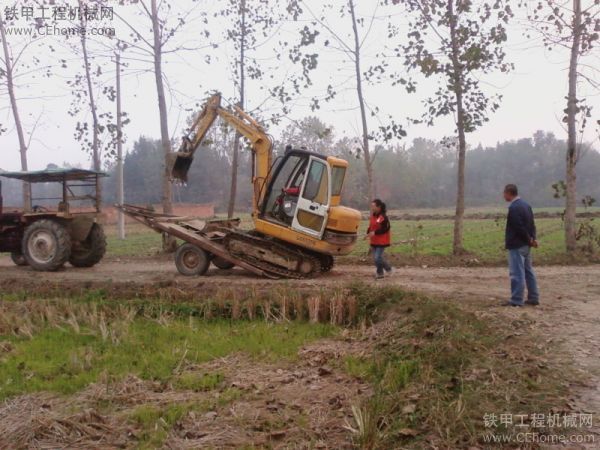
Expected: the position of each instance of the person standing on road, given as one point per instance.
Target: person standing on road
(379, 235)
(519, 240)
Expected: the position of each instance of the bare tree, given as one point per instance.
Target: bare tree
(162, 106)
(8, 73)
(458, 42)
(575, 29)
(251, 25)
(350, 45)
(93, 90)
(95, 144)
(152, 50)
(239, 34)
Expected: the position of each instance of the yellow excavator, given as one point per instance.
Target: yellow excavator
(299, 224)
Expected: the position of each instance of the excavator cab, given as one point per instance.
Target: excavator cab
(299, 192)
(301, 203)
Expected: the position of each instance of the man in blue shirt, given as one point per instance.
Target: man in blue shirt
(519, 240)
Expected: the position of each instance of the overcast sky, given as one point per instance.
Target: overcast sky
(533, 95)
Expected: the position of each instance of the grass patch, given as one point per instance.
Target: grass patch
(155, 422)
(198, 382)
(140, 241)
(440, 369)
(483, 239)
(62, 346)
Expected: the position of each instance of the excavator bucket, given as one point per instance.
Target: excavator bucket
(181, 160)
(180, 164)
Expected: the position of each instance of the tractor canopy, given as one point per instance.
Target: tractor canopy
(78, 185)
(55, 175)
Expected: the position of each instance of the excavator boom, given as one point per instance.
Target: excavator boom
(260, 141)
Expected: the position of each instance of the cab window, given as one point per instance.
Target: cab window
(317, 183)
(290, 168)
(337, 180)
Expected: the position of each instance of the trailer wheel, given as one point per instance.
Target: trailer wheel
(18, 258)
(89, 252)
(222, 264)
(46, 245)
(191, 260)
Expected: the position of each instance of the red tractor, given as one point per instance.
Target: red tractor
(45, 238)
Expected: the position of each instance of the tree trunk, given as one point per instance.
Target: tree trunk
(234, 173)
(18, 125)
(571, 197)
(95, 126)
(120, 191)
(457, 244)
(236, 143)
(169, 243)
(361, 102)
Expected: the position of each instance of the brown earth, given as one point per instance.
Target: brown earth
(568, 317)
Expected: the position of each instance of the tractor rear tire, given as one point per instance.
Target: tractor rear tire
(46, 245)
(18, 258)
(191, 260)
(89, 252)
(222, 264)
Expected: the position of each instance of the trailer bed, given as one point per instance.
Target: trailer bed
(208, 235)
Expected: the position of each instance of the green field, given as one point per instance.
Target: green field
(483, 239)
(63, 345)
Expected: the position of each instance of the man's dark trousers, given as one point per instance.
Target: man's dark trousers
(520, 232)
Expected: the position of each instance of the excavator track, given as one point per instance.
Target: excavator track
(279, 248)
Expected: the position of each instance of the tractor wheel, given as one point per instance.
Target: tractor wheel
(191, 260)
(18, 258)
(222, 264)
(46, 245)
(89, 252)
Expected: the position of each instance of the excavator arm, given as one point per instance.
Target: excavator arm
(261, 144)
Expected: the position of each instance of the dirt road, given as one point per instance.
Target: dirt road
(568, 316)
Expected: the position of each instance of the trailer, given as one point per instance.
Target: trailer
(205, 242)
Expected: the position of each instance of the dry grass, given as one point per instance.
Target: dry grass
(439, 368)
(40, 422)
(109, 320)
(26, 318)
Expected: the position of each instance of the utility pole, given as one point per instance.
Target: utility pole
(120, 191)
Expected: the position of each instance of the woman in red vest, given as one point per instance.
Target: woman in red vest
(379, 236)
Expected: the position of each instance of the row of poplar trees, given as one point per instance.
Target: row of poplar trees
(454, 43)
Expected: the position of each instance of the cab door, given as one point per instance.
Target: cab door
(313, 202)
